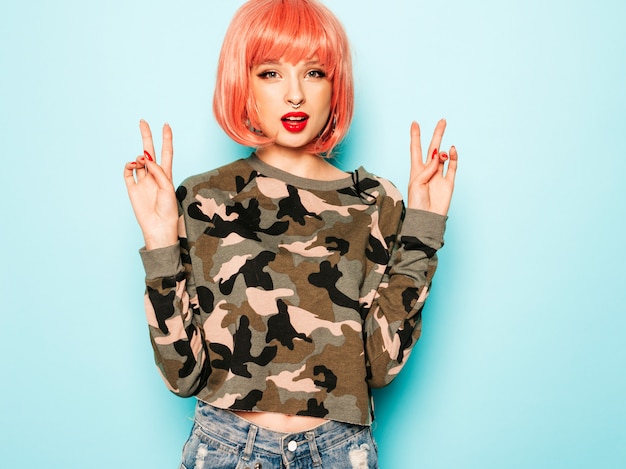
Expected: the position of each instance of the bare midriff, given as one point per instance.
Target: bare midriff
(281, 422)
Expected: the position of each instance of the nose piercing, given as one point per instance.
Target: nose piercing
(295, 102)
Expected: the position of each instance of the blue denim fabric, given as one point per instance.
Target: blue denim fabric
(222, 440)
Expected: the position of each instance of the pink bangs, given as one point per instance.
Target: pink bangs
(294, 30)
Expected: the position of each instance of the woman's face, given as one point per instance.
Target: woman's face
(293, 100)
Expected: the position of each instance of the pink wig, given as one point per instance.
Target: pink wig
(294, 30)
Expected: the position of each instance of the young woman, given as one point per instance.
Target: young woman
(281, 289)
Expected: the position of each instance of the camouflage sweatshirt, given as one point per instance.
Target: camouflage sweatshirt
(287, 294)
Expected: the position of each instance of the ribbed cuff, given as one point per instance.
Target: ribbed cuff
(161, 262)
(423, 225)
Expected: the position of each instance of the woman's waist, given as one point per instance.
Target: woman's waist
(284, 423)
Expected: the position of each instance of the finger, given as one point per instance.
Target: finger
(443, 157)
(451, 173)
(140, 167)
(129, 174)
(130, 166)
(417, 163)
(156, 172)
(167, 151)
(435, 143)
(146, 138)
(430, 169)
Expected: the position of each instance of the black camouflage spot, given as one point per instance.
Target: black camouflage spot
(314, 409)
(406, 339)
(279, 327)
(181, 193)
(330, 379)
(169, 282)
(237, 361)
(341, 245)
(204, 376)
(220, 349)
(205, 298)
(291, 206)
(253, 273)
(250, 219)
(327, 278)
(249, 401)
(183, 349)
(411, 243)
(194, 212)
(409, 297)
(163, 307)
(246, 224)
(185, 257)
(241, 183)
(377, 252)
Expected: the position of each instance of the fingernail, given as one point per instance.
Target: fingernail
(434, 153)
(148, 155)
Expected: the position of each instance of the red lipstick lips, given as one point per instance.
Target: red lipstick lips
(295, 121)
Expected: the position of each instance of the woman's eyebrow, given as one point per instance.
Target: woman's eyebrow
(313, 62)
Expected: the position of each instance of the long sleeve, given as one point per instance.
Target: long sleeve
(172, 310)
(393, 322)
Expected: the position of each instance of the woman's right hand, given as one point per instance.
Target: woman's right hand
(151, 191)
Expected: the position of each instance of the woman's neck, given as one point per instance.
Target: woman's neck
(299, 163)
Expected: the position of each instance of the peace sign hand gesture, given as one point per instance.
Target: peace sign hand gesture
(151, 191)
(429, 188)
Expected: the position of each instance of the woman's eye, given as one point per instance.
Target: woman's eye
(268, 74)
(316, 74)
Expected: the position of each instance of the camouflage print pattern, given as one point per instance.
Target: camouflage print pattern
(287, 294)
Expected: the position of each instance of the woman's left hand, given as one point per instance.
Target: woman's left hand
(429, 188)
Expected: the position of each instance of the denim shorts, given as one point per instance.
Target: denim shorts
(221, 439)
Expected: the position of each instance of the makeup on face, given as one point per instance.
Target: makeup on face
(295, 121)
(292, 100)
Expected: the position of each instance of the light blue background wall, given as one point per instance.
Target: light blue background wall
(522, 362)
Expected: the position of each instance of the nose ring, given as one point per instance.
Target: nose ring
(294, 105)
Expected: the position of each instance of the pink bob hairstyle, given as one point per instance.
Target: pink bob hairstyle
(294, 30)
